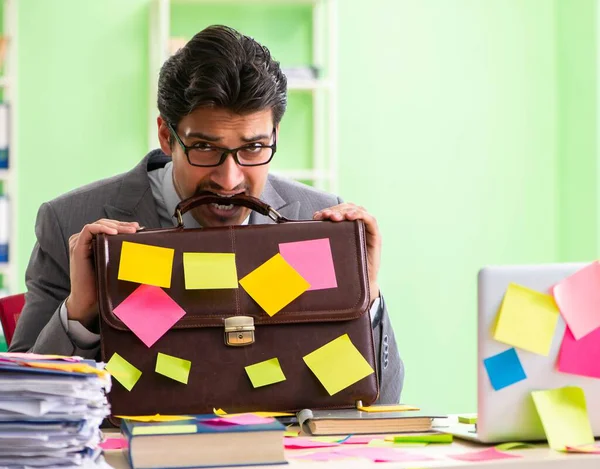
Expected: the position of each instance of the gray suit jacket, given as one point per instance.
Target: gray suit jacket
(128, 197)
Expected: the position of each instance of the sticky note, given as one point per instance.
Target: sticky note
(338, 364)
(149, 313)
(155, 418)
(381, 454)
(175, 368)
(578, 297)
(504, 369)
(467, 418)
(164, 429)
(319, 456)
(265, 373)
(489, 454)
(240, 419)
(564, 416)
(303, 443)
(274, 284)
(209, 270)
(123, 371)
(580, 357)
(114, 443)
(387, 408)
(527, 319)
(313, 260)
(513, 445)
(258, 413)
(583, 449)
(149, 265)
(424, 438)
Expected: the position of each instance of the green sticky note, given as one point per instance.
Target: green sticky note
(209, 270)
(173, 367)
(467, 418)
(163, 429)
(513, 445)
(123, 371)
(424, 438)
(265, 373)
(563, 413)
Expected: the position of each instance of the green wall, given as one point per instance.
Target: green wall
(578, 209)
(459, 129)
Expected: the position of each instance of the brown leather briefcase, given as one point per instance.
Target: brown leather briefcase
(225, 330)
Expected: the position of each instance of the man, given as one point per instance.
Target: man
(221, 99)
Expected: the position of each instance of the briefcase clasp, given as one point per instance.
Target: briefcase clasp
(239, 331)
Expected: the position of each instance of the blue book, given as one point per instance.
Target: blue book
(192, 443)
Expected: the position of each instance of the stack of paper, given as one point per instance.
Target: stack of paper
(51, 409)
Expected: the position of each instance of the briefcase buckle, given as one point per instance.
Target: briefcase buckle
(239, 331)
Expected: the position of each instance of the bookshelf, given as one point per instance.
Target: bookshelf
(312, 105)
(10, 282)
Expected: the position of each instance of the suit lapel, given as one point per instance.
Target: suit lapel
(271, 197)
(134, 201)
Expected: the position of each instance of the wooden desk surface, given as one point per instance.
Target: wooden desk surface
(540, 457)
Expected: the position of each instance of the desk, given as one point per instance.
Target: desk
(540, 457)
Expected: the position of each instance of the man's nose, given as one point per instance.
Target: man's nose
(228, 175)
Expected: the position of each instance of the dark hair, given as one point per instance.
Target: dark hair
(219, 67)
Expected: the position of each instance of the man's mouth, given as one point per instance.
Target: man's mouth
(227, 207)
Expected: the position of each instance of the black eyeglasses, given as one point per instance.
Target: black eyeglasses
(206, 155)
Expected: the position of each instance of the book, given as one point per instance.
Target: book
(353, 421)
(205, 441)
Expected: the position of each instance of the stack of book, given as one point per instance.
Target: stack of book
(51, 409)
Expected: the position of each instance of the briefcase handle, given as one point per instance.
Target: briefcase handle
(244, 200)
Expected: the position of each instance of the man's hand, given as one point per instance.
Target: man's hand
(353, 212)
(82, 303)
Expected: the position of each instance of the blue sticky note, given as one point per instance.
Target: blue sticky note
(504, 369)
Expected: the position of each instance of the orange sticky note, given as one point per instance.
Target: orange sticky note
(274, 284)
(338, 364)
(149, 265)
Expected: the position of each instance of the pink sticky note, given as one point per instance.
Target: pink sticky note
(149, 312)
(580, 357)
(485, 455)
(303, 443)
(382, 454)
(578, 297)
(242, 419)
(360, 440)
(114, 443)
(313, 261)
(321, 456)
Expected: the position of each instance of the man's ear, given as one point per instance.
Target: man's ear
(164, 136)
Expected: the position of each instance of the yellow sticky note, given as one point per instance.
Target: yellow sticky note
(219, 412)
(123, 371)
(173, 367)
(209, 270)
(222, 413)
(563, 413)
(274, 284)
(163, 429)
(72, 367)
(290, 434)
(387, 408)
(526, 319)
(265, 373)
(155, 418)
(338, 364)
(149, 265)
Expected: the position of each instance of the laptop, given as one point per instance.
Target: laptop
(509, 414)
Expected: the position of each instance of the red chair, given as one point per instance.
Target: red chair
(10, 310)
